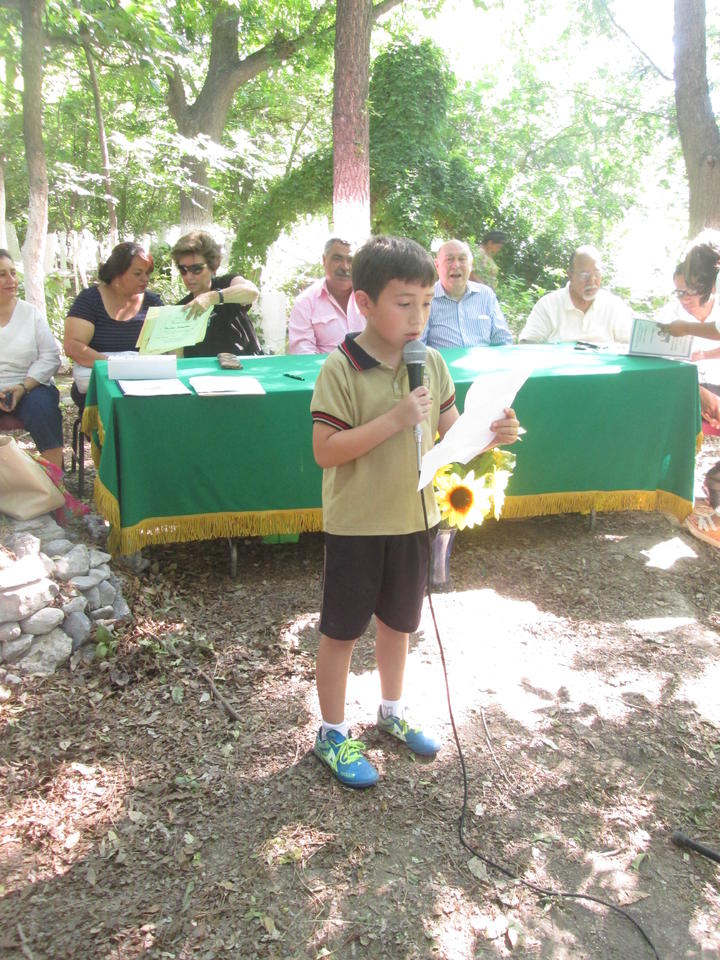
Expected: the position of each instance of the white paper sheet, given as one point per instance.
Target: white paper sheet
(490, 394)
(225, 386)
(152, 388)
(142, 368)
(648, 339)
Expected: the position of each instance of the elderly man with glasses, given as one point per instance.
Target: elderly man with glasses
(581, 310)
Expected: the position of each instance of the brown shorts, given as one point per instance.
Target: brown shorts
(385, 576)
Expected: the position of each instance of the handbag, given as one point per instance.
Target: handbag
(26, 491)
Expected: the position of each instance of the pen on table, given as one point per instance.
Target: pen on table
(293, 376)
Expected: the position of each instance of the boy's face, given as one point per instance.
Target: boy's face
(400, 312)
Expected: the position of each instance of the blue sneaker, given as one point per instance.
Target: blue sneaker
(415, 739)
(345, 758)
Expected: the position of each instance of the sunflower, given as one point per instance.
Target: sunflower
(463, 501)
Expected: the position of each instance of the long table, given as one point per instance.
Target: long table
(604, 432)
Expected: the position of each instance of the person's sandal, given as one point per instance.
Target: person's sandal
(704, 523)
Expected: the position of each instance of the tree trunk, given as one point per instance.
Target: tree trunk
(351, 127)
(33, 40)
(699, 135)
(102, 139)
(3, 231)
(225, 74)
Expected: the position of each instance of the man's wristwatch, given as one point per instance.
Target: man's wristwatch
(221, 296)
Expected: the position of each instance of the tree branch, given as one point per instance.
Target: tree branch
(642, 53)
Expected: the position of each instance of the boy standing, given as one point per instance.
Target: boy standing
(376, 549)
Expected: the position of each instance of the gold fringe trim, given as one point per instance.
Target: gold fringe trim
(92, 424)
(699, 441)
(543, 504)
(201, 526)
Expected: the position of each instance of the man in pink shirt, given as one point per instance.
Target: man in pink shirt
(324, 313)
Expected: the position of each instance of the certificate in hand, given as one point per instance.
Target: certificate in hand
(649, 339)
(170, 328)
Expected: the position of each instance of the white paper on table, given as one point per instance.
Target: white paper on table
(137, 367)
(226, 386)
(490, 394)
(152, 388)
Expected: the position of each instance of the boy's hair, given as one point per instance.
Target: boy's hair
(495, 236)
(383, 259)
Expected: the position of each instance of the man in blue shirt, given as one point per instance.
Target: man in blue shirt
(463, 313)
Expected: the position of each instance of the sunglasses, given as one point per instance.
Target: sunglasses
(194, 268)
(685, 294)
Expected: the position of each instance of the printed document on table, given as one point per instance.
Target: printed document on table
(490, 394)
(153, 388)
(226, 386)
(648, 339)
(170, 328)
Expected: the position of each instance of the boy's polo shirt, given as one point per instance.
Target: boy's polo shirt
(376, 494)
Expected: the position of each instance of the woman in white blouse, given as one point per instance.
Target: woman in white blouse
(29, 356)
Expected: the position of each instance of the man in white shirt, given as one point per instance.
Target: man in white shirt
(326, 311)
(581, 310)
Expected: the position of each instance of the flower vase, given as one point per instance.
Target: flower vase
(441, 552)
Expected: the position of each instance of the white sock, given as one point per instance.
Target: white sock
(391, 708)
(342, 728)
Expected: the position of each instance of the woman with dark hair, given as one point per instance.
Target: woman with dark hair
(699, 316)
(29, 356)
(107, 318)
(229, 328)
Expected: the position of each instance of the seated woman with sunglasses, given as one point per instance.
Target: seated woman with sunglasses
(229, 329)
(107, 318)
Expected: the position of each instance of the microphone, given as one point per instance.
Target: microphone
(414, 354)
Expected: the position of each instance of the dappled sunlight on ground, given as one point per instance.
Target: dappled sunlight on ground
(664, 555)
(703, 691)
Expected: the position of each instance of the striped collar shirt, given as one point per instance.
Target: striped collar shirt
(473, 321)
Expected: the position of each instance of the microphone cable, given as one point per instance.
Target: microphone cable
(546, 892)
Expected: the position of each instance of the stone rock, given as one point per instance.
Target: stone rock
(6, 560)
(46, 654)
(121, 611)
(43, 527)
(93, 598)
(23, 601)
(91, 579)
(98, 556)
(103, 613)
(58, 548)
(76, 563)
(23, 544)
(106, 593)
(14, 650)
(103, 569)
(9, 631)
(27, 570)
(11, 680)
(76, 605)
(98, 528)
(35, 524)
(43, 621)
(136, 561)
(77, 626)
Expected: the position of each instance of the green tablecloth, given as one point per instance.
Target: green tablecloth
(604, 432)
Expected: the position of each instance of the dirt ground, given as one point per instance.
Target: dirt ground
(140, 819)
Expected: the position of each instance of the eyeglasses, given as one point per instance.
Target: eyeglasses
(686, 294)
(587, 275)
(194, 268)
